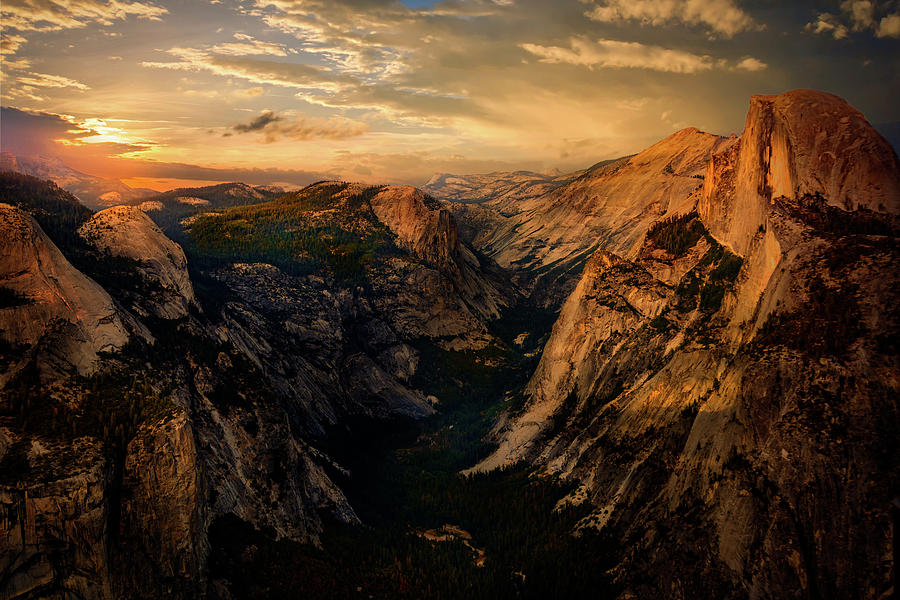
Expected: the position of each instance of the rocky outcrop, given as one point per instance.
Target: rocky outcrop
(612, 206)
(730, 419)
(503, 192)
(429, 231)
(54, 519)
(802, 143)
(51, 307)
(609, 206)
(421, 224)
(164, 514)
(613, 300)
(299, 332)
(127, 232)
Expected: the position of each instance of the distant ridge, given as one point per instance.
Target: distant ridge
(94, 192)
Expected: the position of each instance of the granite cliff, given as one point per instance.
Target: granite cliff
(548, 238)
(725, 392)
(186, 385)
(50, 308)
(187, 406)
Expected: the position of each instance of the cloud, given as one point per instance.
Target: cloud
(828, 23)
(293, 75)
(723, 17)
(81, 144)
(276, 128)
(52, 15)
(751, 64)
(202, 93)
(247, 46)
(177, 170)
(633, 55)
(615, 54)
(889, 26)
(249, 92)
(34, 132)
(50, 81)
(16, 64)
(861, 13)
(858, 16)
(257, 124)
(378, 40)
(322, 85)
(10, 44)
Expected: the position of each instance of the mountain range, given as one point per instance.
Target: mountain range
(94, 192)
(674, 374)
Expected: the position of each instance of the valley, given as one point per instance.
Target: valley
(673, 374)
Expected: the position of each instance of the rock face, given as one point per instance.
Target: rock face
(502, 192)
(125, 231)
(54, 522)
(730, 416)
(609, 206)
(430, 232)
(421, 225)
(53, 308)
(164, 508)
(801, 143)
(721, 383)
(235, 410)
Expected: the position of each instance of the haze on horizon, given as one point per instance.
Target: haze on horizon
(160, 93)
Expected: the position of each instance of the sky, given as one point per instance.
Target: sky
(293, 91)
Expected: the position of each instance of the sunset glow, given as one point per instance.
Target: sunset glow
(384, 90)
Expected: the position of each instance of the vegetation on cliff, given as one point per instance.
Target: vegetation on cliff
(322, 226)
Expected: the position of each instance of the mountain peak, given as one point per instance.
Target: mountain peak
(797, 144)
(126, 231)
(94, 192)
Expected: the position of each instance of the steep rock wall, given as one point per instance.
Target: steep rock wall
(796, 144)
(731, 419)
(126, 231)
(57, 308)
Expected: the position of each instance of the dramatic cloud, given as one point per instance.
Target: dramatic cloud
(859, 16)
(276, 127)
(10, 43)
(85, 145)
(50, 15)
(723, 17)
(41, 133)
(340, 83)
(610, 53)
